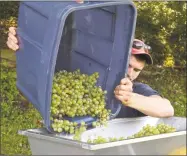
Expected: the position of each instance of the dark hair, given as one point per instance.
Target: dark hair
(140, 57)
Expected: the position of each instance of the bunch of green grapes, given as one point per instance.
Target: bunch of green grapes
(147, 130)
(75, 94)
(79, 131)
(69, 127)
(163, 128)
(100, 140)
(153, 130)
(64, 126)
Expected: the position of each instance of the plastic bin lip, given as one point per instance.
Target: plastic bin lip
(89, 5)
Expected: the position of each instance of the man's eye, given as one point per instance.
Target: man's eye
(137, 70)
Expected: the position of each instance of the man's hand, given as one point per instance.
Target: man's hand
(154, 106)
(12, 41)
(79, 1)
(124, 91)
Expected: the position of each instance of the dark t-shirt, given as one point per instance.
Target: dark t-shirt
(139, 88)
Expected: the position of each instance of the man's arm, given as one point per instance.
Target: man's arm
(153, 105)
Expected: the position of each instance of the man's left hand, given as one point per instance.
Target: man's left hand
(124, 91)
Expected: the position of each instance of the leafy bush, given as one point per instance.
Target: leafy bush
(170, 83)
(9, 92)
(162, 24)
(8, 17)
(16, 114)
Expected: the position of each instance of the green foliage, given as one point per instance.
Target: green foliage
(169, 61)
(9, 92)
(12, 142)
(8, 17)
(170, 83)
(8, 54)
(16, 114)
(163, 25)
(8, 8)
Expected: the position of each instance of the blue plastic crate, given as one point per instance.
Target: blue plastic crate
(92, 37)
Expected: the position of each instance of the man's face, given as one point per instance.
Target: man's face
(135, 67)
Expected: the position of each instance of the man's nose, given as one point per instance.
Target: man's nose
(130, 73)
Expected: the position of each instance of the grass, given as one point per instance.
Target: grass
(16, 114)
(8, 54)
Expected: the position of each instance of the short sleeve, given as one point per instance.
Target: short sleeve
(144, 89)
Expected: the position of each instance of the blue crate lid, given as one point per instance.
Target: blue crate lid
(92, 37)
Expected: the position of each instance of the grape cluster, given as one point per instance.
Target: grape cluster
(153, 130)
(147, 130)
(75, 94)
(163, 128)
(100, 140)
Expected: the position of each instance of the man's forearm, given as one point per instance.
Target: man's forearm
(153, 106)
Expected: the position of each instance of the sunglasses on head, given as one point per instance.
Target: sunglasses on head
(140, 45)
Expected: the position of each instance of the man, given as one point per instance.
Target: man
(138, 99)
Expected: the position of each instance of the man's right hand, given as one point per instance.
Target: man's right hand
(12, 41)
